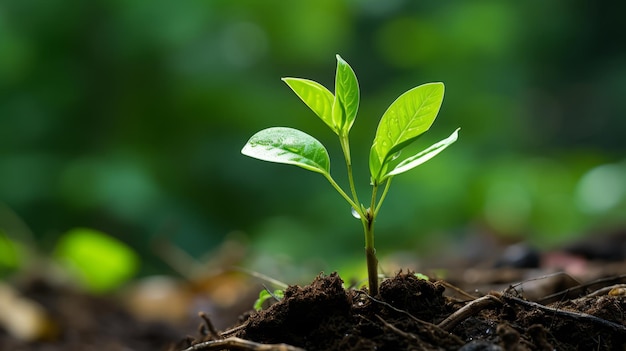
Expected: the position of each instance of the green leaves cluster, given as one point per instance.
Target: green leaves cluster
(407, 118)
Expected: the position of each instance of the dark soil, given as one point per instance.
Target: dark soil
(75, 321)
(416, 314)
(539, 311)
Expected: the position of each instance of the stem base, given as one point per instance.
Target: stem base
(372, 270)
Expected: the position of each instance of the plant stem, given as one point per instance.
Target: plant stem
(368, 227)
(382, 197)
(345, 146)
(370, 253)
(367, 218)
(343, 193)
(370, 250)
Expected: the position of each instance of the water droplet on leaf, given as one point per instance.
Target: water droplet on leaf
(355, 214)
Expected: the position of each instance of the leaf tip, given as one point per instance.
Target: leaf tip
(245, 150)
(456, 134)
(340, 60)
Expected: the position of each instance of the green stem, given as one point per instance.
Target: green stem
(382, 197)
(370, 250)
(345, 146)
(367, 218)
(343, 193)
(368, 226)
(370, 254)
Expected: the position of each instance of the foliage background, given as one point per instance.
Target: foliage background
(128, 117)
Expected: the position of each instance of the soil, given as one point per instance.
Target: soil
(69, 320)
(495, 307)
(415, 314)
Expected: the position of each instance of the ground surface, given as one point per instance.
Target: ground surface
(414, 314)
(567, 300)
(43, 317)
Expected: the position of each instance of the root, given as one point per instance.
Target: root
(468, 310)
(581, 289)
(219, 342)
(492, 300)
(234, 343)
(577, 316)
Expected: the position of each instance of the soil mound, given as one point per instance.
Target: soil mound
(416, 314)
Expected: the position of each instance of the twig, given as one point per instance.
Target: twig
(577, 316)
(542, 277)
(262, 276)
(271, 293)
(234, 343)
(209, 326)
(457, 290)
(235, 329)
(580, 289)
(607, 290)
(468, 310)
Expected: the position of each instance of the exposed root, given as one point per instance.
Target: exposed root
(582, 289)
(234, 343)
(218, 341)
(457, 290)
(577, 316)
(468, 310)
(235, 329)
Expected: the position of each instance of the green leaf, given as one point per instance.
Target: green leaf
(101, 262)
(407, 118)
(346, 101)
(423, 156)
(10, 257)
(288, 146)
(265, 295)
(316, 96)
(421, 276)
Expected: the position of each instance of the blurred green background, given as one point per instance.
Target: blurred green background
(128, 117)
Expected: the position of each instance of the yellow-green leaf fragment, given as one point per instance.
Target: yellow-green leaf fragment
(100, 262)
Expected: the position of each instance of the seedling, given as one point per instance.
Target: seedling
(408, 117)
(265, 295)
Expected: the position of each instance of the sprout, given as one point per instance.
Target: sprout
(407, 118)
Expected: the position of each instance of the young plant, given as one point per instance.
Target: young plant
(265, 295)
(405, 120)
